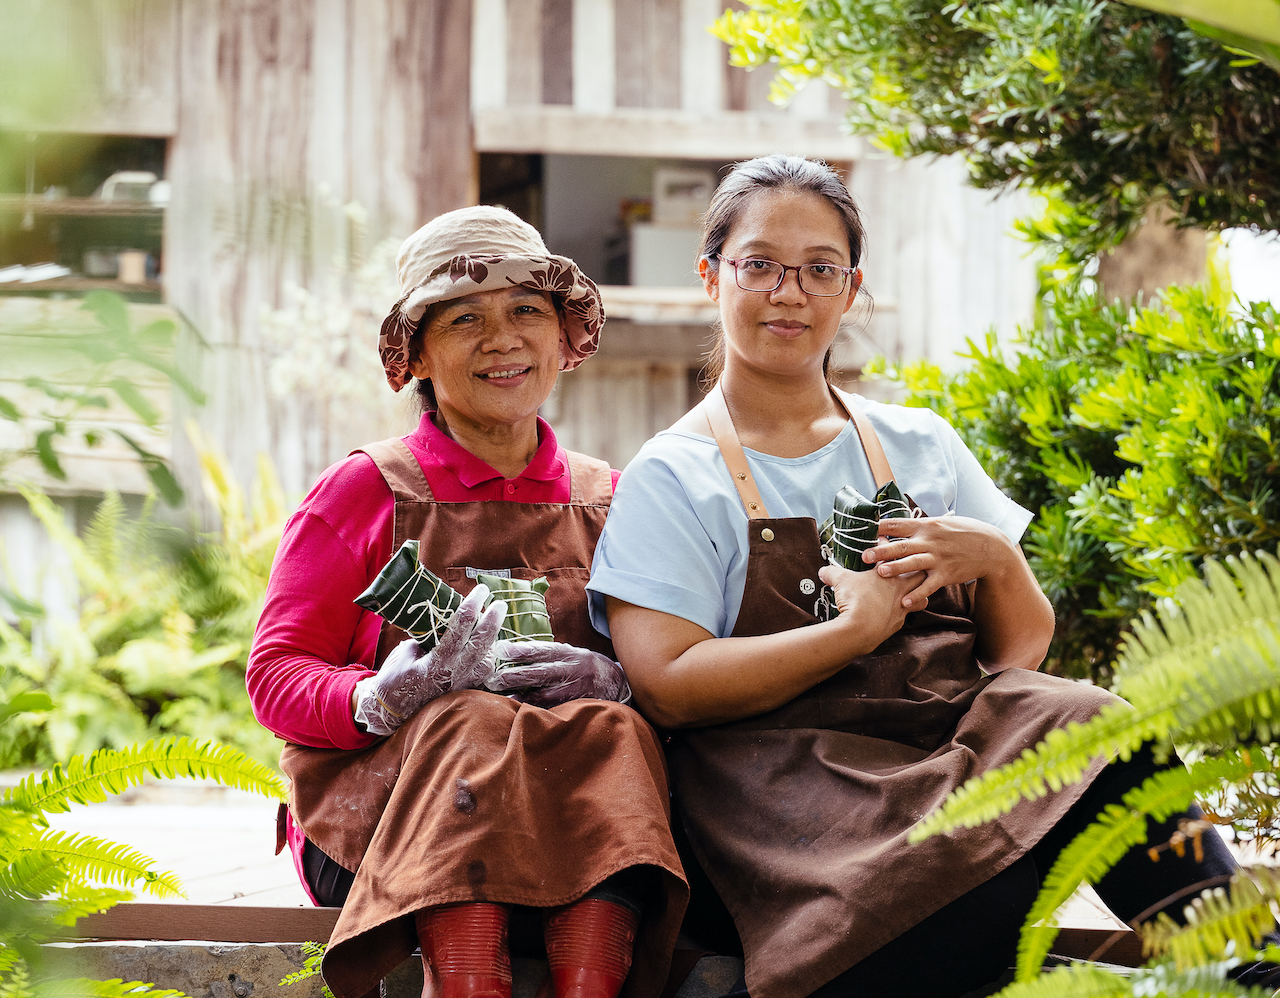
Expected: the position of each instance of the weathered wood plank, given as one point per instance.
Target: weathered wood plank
(644, 132)
(489, 53)
(98, 66)
(647, 53)
(221, 923)
(524, 52)
(594, 62)
(702, 58)
(557, 51)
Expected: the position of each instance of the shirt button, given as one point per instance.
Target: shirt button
(511, 489)
(767, 534)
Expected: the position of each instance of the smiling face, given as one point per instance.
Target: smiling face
(784, 332)
(492, 357)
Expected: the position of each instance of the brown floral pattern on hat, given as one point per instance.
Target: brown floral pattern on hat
(470, 273)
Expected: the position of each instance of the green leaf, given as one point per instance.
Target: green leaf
(21, 606)
(135, 400)
(48, 457)
(84, 987)
(110, 309)
(8, 410)
(32, 701)
(157, 471)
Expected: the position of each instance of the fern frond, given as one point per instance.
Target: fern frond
(1218, 645)
(1061, 759)
(85, 987)
(1219, 923)
(86, 856)
(1095, 850)
(89, 780)
(31, 875)
(1206, 981)
(314, 952)
(102, 535)
(1076, 981)
(1211, 673)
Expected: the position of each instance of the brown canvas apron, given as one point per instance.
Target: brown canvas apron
(799, 816)
(477, 797)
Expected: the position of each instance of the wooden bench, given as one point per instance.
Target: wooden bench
(234, 951)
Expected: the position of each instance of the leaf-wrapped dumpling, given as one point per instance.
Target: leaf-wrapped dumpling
(407, 594)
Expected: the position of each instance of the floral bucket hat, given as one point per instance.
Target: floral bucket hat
(482, 249)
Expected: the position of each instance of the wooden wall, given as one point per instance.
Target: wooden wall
(105, 66)
(290, 111)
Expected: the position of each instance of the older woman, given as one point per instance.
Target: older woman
(426, 806)
(805, 745)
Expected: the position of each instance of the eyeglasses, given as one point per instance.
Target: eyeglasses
(824, 280)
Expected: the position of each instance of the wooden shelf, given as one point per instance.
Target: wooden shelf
(20, 204)
(78, 284)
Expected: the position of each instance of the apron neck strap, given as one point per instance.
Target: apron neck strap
(726, 436)
(880, 470)
(722, 428)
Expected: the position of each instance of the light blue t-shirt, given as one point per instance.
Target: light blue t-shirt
(676, 536)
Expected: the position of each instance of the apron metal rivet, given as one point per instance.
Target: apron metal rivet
(753, 505)
(767, 534)
(807, 587)
(742, 476)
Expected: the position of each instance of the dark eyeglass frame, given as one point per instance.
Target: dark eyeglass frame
(845, 272)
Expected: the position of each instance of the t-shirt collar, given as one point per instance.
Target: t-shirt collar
(547, 464)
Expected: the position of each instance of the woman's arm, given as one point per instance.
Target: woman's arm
(1014, 618)
(682, 676)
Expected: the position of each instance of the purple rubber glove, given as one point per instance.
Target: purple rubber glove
(546, 673)
(410, 677)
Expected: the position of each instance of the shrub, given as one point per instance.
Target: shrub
(163, 634)
(1145, 438)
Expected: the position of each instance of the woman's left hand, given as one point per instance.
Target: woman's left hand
(547, 673)
(946, 549)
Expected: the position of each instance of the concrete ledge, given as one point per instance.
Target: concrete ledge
(254, 970)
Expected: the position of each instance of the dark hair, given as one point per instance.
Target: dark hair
(424, 391)
(774, 172)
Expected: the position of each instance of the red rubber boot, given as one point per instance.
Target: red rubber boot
(589, 947)
(465, 949)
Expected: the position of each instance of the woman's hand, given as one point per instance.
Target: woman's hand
(937, 551)
(1015, 620)
(410, 677)
(875, 605)
(547, 673)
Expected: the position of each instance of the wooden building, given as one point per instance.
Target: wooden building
(298, 136)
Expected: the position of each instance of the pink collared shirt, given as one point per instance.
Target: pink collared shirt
(312, 644)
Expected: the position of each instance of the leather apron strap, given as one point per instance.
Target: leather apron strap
(722, 428)
(400, 468)
(726, 437)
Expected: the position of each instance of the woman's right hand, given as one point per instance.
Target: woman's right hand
(869, 603)
(410, 677)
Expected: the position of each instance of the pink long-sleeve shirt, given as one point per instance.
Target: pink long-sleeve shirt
(312, 644)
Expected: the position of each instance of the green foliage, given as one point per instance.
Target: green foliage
(163, 634)
(1249, 28)
(1113, 106)
(1201, 671)
(314, 953)
(1146, 438)
(49, 878)
(87, 369)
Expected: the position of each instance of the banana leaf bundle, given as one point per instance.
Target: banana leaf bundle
(527, 618)
(854, 523)
(420, 603)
